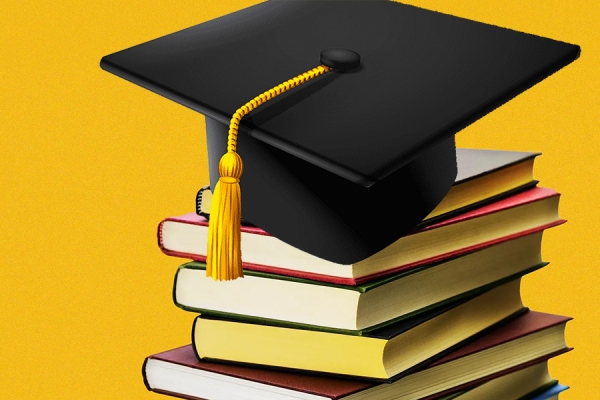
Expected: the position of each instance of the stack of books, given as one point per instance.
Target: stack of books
(436, 315)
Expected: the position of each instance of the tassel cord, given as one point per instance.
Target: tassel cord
(223, 260)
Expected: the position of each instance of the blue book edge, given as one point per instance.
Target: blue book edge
(554, 390)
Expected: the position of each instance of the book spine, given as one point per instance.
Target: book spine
(173, 394)
(144, 377)
(199, 202)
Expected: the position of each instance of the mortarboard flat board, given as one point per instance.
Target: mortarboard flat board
(382, 132)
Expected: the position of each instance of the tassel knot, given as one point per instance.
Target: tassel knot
(231, 165)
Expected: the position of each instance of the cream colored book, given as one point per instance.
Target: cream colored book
(530, 211)
(354, 308)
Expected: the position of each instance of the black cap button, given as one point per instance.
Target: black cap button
(340, 59)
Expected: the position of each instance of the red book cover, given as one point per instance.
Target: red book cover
(338, 388)
(526, 197)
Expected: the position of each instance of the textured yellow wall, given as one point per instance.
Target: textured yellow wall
(90, 164)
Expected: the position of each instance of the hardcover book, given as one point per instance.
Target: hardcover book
(530, 211)
(522, 384)
(354, 308)
(529, 340)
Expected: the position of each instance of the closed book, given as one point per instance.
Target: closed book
(523, 384)
(384, 354)
(354, 308)
(528, 340)
(530, 211)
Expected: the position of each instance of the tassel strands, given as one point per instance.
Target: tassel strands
(224, 256)
(225, 222)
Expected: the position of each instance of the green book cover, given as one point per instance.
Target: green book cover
(361, 288)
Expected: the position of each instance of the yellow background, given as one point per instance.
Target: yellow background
(90, 163)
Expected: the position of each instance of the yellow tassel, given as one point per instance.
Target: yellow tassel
(224, 256)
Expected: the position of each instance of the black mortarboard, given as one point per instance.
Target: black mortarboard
(381, 134)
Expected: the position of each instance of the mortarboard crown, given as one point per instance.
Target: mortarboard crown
(379, 126)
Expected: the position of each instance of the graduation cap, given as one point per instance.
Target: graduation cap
(380, 90)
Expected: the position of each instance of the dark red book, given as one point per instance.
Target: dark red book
(530, 339)
(530, 211)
